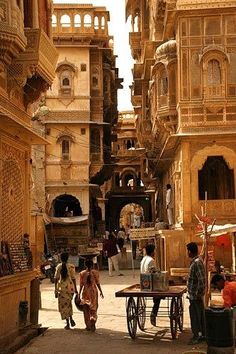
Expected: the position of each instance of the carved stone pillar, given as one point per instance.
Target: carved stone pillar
(186, 183)
(35, 14)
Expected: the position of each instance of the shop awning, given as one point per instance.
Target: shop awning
(219, 230)
(65, 221)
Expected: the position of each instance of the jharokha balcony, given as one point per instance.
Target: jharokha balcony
(135, 44)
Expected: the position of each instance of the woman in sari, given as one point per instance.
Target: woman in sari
(65, 287)
(89, 286)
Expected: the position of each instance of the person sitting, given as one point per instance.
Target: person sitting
(229, 289)
(147, 266)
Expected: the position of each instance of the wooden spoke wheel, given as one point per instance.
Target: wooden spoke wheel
(180, 313)
(131, 314)
(173, 317)
(141, 312)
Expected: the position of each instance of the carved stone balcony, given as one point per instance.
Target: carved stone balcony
(135, 44)
(40, 56)
(79, 21)
(12, 38)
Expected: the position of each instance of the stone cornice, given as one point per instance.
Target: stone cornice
(204, 4)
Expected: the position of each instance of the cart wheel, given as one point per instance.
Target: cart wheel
(173, 317)
(141, 311)
(131, 314)
(180, 313)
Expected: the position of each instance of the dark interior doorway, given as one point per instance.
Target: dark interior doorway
(217, 179)
(66, 206)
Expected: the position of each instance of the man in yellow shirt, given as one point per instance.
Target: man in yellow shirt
(229, 289)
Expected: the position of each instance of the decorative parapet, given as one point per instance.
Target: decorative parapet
(204, 4)
(80, 19)
(12, 38)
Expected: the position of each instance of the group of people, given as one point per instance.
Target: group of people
(196, 285)
(86, 297)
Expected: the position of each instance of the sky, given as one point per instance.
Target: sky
(120, 30)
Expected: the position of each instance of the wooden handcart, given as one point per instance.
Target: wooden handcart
(136, 307)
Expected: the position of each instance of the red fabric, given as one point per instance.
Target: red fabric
(223, 241)
(229, 294)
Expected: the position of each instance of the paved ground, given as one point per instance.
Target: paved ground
(111, 335)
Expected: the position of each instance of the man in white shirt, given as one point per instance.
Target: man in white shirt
(147, 266)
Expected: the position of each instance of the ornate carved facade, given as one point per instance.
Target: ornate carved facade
(82, 112)
(184, 95)
(27, 65)
(129, 183)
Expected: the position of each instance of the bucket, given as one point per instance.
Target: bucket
(219, 327)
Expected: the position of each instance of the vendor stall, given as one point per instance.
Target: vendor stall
(137, 308)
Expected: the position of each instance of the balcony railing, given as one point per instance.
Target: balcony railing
(79, 19)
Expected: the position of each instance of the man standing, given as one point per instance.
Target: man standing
(196, 291)
(229, 289)
(110, 249)
(148, 265)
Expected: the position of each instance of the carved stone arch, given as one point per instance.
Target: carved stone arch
(65, 135)
(200, 158)
(65, 64)
(213, 51)
(214, 70)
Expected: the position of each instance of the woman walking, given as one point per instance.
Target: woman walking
(65, 287)
(89, 286)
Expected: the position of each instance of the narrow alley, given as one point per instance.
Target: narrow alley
(111, 335)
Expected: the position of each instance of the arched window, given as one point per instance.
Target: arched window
(65, 149)
(136, 23)
(66, 82)
(213, 72)
(217, 179)
(103, 23)
(87, 21)
(95, 78)
(65, 21)
(129, 144)
(96, 23)
(54, 21)
(77, 20)
(163, 83)
(95, 141)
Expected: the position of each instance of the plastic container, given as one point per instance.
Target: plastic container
(219, 327)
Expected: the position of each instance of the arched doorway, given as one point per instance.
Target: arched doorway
(66, 205)
(217, 179)
(131, 216)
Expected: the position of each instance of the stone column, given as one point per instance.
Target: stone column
(35, 14)
(186, 183)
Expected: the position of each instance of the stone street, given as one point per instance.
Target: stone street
(111, 335)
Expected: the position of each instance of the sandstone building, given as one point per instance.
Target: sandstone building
(126, 186)
(27, 66)
(184, 95)
(82, 110)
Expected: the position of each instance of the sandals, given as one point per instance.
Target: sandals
(72, 323)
